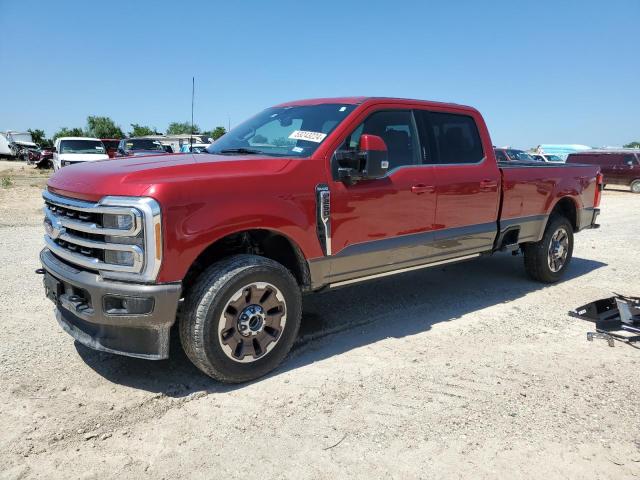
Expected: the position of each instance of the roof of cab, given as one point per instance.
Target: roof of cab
(78, 138)
(600, 151)
(361, 100)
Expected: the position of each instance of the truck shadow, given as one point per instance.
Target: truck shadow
(396, 306)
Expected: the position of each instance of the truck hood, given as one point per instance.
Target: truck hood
(133, 176)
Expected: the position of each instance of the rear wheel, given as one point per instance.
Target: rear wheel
(547, 259)
(241, 318)
(635, 186)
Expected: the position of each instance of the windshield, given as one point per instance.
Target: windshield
(295, 131)
(81, 146)
(143, 144)
(521, 156)
(553, 158)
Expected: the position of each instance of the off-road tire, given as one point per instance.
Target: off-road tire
(635, 186)
(536, 254)
(203, 305)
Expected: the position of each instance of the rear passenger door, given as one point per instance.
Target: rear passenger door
(467, 182)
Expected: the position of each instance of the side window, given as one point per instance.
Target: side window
(396, 129)
(629, 160)
(455, 138)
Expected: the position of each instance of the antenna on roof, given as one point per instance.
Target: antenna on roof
(193, 92)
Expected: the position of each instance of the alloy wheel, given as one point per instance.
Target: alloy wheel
(558, 250)
(252, 322)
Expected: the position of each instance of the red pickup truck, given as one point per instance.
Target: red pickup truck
(304, 196)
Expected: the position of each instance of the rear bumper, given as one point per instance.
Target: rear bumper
(587, 218)
(81, 310)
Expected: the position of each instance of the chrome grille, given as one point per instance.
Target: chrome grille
(75, 232)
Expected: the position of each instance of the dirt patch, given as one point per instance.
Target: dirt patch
(20, 187)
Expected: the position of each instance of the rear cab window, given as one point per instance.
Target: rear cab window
(452, 138)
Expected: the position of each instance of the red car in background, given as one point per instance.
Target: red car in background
(619, 167)
(111, 146)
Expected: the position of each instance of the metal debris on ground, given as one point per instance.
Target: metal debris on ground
(615, 318)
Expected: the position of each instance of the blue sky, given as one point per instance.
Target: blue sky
(539, 71)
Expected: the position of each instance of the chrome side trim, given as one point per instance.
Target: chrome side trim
(323, 212)
(402, 270)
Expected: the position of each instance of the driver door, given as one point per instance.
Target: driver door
(383, 224)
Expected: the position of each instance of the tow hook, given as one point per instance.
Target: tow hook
(40, 271)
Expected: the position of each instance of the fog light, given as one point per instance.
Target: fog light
(121, 222)
(118, 257)
(114, 305)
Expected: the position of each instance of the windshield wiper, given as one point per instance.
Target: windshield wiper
(247, 151)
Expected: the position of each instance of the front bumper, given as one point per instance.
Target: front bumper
(81, 310)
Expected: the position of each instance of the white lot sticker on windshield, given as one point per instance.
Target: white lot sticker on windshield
(297, 149)
(308, 136)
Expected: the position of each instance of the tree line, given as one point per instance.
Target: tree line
(105, 127)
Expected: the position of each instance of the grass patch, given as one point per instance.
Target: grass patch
(6, 182)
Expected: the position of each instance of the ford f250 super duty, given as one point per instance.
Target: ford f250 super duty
(304, 196)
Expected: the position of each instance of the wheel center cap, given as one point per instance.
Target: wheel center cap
(251, 320)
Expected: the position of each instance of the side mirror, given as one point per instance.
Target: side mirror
(371, 161)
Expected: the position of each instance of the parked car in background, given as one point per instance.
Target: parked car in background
(561, 150)
(137, 147)
(41, 158)
(513, 155)
(619, 167)
(72, 150)
(176, 141)
(194, 148)
(17, 145)
(111, 145)
(547, 157)
(45, 159)
(304, 196)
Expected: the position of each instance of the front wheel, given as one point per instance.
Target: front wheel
(547, 260)
(241, 318)
(635, 186)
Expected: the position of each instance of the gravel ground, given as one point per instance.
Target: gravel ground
(468, 371)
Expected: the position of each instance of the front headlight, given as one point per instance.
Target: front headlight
(139, 227)
(119, 257)
(121, 222)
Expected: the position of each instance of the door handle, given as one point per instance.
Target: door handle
(488, 185)
(423, 189)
